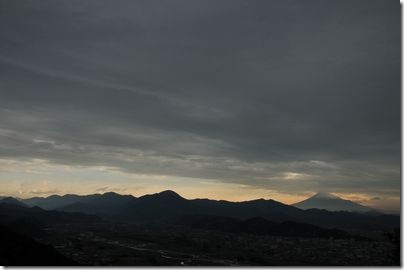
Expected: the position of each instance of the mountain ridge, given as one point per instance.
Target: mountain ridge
(11, 200)
(166, 206)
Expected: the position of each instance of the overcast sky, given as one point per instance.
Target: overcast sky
(254, 98)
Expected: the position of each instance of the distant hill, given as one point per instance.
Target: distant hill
(99, 204)
(55, 201)
(21, 250)
(331, 202)
(13, 201)
(73, 202)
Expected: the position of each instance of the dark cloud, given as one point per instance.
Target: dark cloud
(238, 91)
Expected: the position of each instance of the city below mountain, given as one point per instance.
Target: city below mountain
(158, 229)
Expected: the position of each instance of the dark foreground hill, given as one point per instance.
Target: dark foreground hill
(261, 226)
(13, 214)
(21, 250)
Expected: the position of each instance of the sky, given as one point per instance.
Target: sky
(221, 99)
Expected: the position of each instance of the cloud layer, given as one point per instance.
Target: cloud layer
(286, 95)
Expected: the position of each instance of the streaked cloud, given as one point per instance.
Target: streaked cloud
(279, 96)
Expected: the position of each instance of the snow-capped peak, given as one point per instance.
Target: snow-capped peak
(325, 195)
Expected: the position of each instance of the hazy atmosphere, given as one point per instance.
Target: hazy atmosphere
(231, 100)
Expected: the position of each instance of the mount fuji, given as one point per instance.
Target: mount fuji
(330, 202)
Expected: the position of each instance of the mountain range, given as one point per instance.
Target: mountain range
(168, 206)
(73, 201)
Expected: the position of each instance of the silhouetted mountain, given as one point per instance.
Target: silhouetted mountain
(262, 226)
(154, 207)
(99, 204)
(166, 195)
(331, 202)
(11, 200)
(21, 250)
(72, 202)
(168, 205)
(55, 201)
